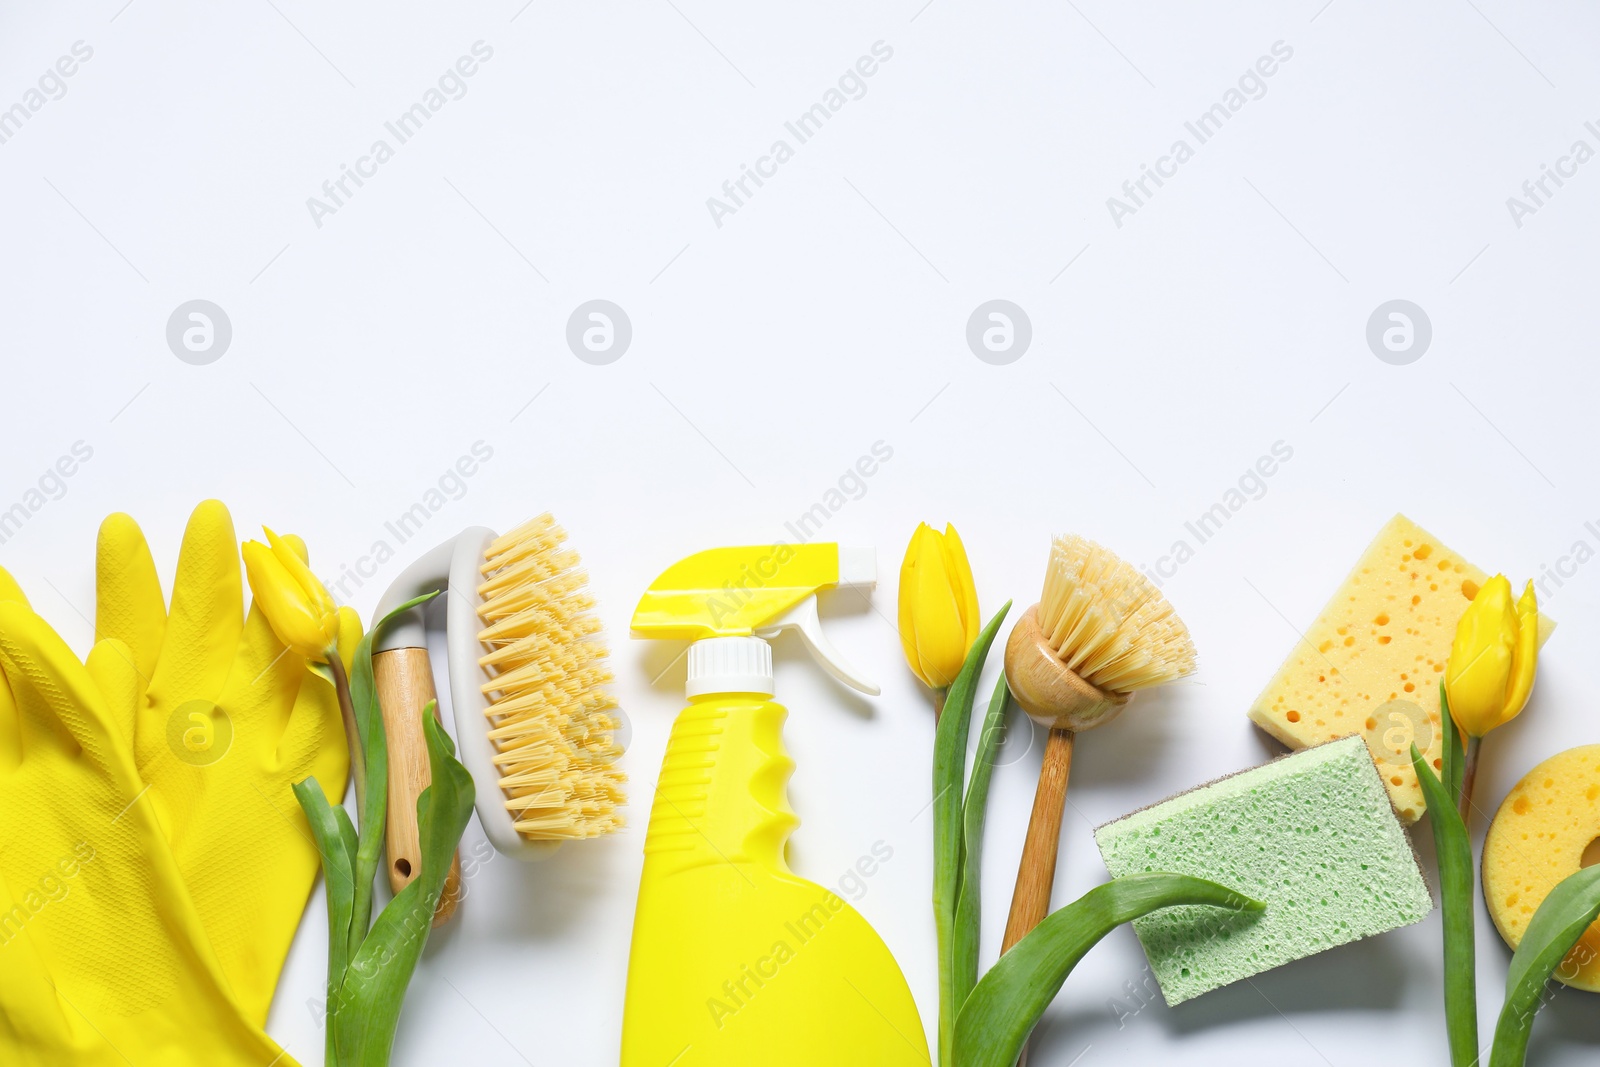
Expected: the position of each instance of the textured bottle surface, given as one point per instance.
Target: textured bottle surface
(736, 960)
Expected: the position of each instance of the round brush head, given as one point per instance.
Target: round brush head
(1100, 632)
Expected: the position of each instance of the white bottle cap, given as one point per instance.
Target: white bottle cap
(730, 665)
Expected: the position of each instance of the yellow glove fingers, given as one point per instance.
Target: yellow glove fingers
(128, 606)
(30, 1010)
(10, 728)
(314, 744)
(53, 690)
(10, 721)
(207, 613)
(9, 589)
(251, 912)
(261, 688)
(112, 668)
(103, 958)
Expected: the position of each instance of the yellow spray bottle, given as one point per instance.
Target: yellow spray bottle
(736, 960)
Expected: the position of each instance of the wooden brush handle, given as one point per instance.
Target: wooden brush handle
(404, 680)
(1036, 874)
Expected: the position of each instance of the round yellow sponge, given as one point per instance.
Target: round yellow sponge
(1538, 838)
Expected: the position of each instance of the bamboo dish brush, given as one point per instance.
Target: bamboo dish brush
(1100, 632)
(528, 687)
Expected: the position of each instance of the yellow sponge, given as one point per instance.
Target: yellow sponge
(1538, 837)
(1384, 637)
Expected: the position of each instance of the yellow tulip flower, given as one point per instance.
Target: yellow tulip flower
(1493, 658)
(295, 602)
(938, 605)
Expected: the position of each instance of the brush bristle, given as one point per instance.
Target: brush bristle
(549, 709)
(1107, 622)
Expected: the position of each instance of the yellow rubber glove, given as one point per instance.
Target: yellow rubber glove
(225, 721)
(103, 961)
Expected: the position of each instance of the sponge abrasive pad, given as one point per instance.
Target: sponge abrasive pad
(1312, 834)
(1539, 837)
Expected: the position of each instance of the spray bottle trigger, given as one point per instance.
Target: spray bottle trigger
(803, 619)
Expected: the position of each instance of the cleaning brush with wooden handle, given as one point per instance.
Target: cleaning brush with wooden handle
(528, 692)
(1100, 632)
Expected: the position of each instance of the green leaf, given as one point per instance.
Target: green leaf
(1555, 928)
(1002, 1010)
(1454, 850)
(968, 922)
(375, 984)
(335, 838)
(374, 756)
(949, 773)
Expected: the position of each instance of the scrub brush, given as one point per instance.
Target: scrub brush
(1100, 632)
(528, 678)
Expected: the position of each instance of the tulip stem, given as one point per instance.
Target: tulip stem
(938, 704)
(1469, 776)
(352, 735)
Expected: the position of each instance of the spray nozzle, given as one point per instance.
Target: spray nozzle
(756, 591)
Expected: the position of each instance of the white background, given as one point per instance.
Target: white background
(828, 313)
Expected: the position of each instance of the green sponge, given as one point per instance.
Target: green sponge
(1312, 834)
